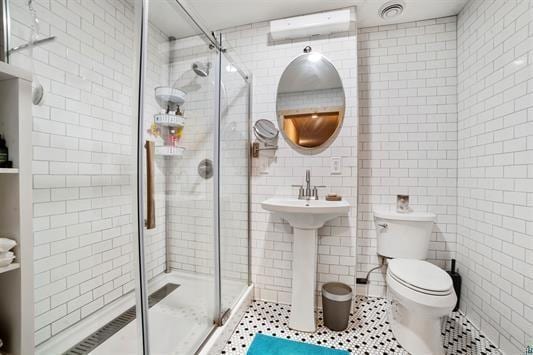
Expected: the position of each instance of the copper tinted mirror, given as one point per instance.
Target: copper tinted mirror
(310, 102)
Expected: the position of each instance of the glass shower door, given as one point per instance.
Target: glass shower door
(234, 181)
(84, 124)
(195, 181)
(179, 244)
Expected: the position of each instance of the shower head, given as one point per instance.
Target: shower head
(201, 69)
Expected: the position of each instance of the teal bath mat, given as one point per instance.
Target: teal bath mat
(268, 345)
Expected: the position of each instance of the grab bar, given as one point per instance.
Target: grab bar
(26, 45)
(150, 201)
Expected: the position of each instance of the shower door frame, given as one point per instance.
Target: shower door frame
(214, 41)
(217, 316)
(141, 289)
(221, 314)
(4, 9)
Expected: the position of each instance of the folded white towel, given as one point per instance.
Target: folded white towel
(6, 254)
(6, 244)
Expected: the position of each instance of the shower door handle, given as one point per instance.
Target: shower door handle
(150, 201)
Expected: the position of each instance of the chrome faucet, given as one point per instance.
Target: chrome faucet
(308, 192)
(308, 183)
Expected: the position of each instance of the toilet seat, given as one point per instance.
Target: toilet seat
(420, 276)
(420, 294)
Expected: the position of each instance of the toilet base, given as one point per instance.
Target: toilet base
(416, 334)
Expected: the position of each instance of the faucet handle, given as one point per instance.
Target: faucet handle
(300, 191)
(315, 190)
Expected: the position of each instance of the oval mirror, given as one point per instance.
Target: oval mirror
(310, 102)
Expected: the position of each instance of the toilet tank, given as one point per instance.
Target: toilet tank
(403, 235)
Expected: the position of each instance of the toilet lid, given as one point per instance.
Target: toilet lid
(420, 275)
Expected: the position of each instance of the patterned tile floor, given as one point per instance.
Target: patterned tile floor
(367, 333)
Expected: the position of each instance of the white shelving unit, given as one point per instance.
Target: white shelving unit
(169, 99)
(16, 279)
(165, 119)
(12, 266)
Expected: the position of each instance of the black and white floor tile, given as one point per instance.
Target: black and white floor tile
(368, 331)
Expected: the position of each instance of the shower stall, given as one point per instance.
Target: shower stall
(141, 166)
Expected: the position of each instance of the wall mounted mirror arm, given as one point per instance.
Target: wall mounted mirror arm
(256, 149)
(266, 132)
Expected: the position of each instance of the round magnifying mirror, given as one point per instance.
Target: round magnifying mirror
(310, 102)
(265, 131)
(37, 92)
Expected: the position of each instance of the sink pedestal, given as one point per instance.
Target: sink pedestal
(304, 263)
(305, 217)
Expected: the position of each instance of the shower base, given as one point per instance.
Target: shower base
(107, 331)
(178, 324)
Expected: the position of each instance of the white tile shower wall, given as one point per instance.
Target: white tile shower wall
(407, 133)
(234, 178)
(190, 197)
(274, 172)
(82, 158)
(495, 185)
(190, 217)
(157, 74)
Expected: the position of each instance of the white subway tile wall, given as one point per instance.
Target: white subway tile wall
(495, 186)
(190, 196)
(407, 133)
(83, 157)
(157, 70)
(274, 172)
(439, 109)
(234, 179)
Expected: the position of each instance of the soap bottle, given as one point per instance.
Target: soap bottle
(3, 153)
(172, 139)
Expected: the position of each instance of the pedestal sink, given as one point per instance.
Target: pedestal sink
(305, 216)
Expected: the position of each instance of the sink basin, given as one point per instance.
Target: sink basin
(305, 216)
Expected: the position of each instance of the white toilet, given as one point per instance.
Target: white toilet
(420, 292)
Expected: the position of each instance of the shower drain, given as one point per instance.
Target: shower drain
(107, 331)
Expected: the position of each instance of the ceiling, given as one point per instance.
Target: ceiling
(222, 14)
